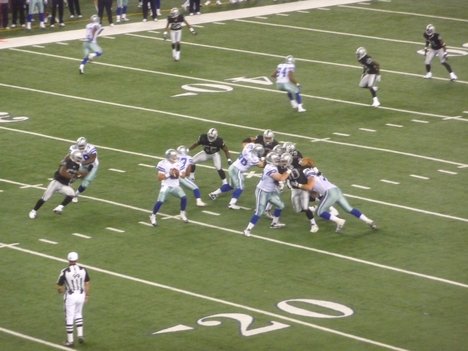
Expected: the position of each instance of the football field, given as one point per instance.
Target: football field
(203, 285)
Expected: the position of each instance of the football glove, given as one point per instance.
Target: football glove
(229, 161)
(192, 31)
(165, 35)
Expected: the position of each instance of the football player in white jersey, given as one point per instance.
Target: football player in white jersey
(186, 163)
(250, 156)
(267, 191)
(89, 165)
(91, 48)
(169, 171)
(286, 81)
(317, 182)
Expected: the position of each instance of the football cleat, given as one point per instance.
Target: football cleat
(153, 220)
(340, 224)
(247, 232)
(373, 225)
(81, 340)
(75, 199)
(33, 214)
(375, 102)
(233, 207)
(81, 69)
(58, 210)
(301, 109)
(314, 228)
(213, 196)
(200, 203)
(277, 225)
(69, 344)
(428, 75)
(293, 104)
(183, 217)
(453, 76)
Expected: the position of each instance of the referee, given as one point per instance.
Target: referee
(73, 283)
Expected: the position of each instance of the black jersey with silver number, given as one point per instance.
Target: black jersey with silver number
(210, 147)
(175, 23)
(435, 41)
(370, 66)
(72, 167)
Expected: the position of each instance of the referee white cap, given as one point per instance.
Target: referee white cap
(72, 256)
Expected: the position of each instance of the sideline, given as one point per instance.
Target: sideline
(78, 34)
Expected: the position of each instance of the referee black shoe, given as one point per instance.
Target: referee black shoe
(81, 340)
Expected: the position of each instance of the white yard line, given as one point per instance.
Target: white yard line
(211, 299)
(301, 247)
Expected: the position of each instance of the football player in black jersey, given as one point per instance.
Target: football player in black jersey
(212, 145)
(370, 74)
(267, 140)
(65, 174)
(175, 20)
(435, 46)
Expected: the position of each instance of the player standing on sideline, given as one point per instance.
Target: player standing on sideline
(174, 23)
(186, 164)
(249, 157)
(88, 166)
(169, 171)
(267, 190)
(286, 81)
(74, 283)
(317, 182)
(370, 74)
(435, 46)
(90, 46)
(267, 140)
(121, 11)
(67, 171)
(40, 4)
(212, 144)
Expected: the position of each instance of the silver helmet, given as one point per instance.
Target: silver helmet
(171, 155)
(183, 150)
(361, 52)
(81, 143)
(212, 134)
(76, 156)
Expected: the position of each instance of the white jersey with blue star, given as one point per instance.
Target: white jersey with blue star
(267, 183)
(88, 152)
(282, 72)
(246, 159)
(321, 184)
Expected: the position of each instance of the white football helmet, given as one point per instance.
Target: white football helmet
(258, 150)
(273, 158)
(76, 156)
(174, 12)
(171, 155)
(268, 136)
(361, 52)
(94, 19)
(430, 30)
(289, 59)
(183, 150)
(212, 134)
(279, 149)
(81, 143)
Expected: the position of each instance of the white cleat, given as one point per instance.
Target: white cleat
(373, 225)
(453, 76)
(81, 69)
(213, 196)
(277, 225)
(183, 217)
(75, 199)
(58, 210)
(200, 203)
(33, 214)
(375, 102)
(293, 104)
(428, 75)
(301, 109)
(340, 224)
(153, 220)
(314, 228)
(233, 207)
(247, 232)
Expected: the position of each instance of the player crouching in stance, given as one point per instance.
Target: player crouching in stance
(331, 195)
(370, 74)
(169, 171)
(435, 46)
(286, 81)
(174, 23)
(67, 172)
(90, 46)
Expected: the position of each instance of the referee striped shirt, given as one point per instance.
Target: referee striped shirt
(73, 278)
